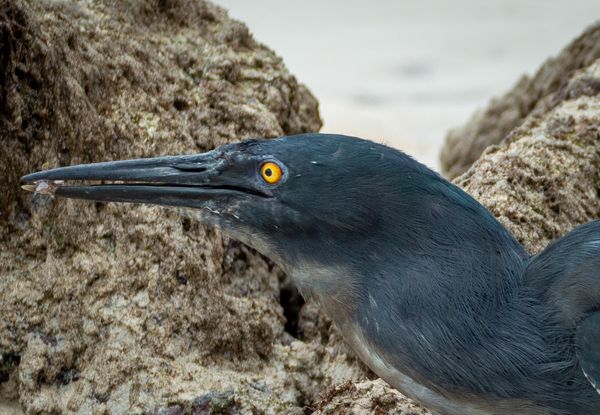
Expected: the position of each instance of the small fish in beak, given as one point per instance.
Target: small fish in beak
(44, 187)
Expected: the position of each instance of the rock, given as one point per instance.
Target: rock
(544, 177)
(111, 308)
(530, 97)
(374, 397)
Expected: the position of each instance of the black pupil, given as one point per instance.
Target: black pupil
(268, 172)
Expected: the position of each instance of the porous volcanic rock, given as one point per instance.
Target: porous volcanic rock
(112, 309)
(543, 179)
(366, 397)
(530, 97)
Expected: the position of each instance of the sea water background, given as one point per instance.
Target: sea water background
(404, 72)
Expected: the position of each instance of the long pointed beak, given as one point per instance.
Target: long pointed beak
(173, 180)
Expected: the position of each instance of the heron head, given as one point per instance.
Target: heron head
(312, 198)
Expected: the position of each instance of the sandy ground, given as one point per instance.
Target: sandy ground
(448, 59)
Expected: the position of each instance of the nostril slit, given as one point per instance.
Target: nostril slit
(194, 168)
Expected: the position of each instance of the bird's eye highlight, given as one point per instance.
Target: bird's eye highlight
(271, 172)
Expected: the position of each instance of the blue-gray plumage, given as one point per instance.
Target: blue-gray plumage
(426, 286)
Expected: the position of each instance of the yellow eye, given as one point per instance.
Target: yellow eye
(271, 172)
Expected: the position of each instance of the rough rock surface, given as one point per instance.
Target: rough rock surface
(544, 177)
(112, 309)
(367, 397)
(531, 96)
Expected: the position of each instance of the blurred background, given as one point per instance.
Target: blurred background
(403, 72)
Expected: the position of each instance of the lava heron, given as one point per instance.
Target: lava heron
(425, 285)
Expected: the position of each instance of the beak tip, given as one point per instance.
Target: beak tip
(26, 178)
(33, 177)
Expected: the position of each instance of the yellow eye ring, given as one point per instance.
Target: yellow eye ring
(271, 172)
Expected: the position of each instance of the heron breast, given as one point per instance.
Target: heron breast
(433, 400)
